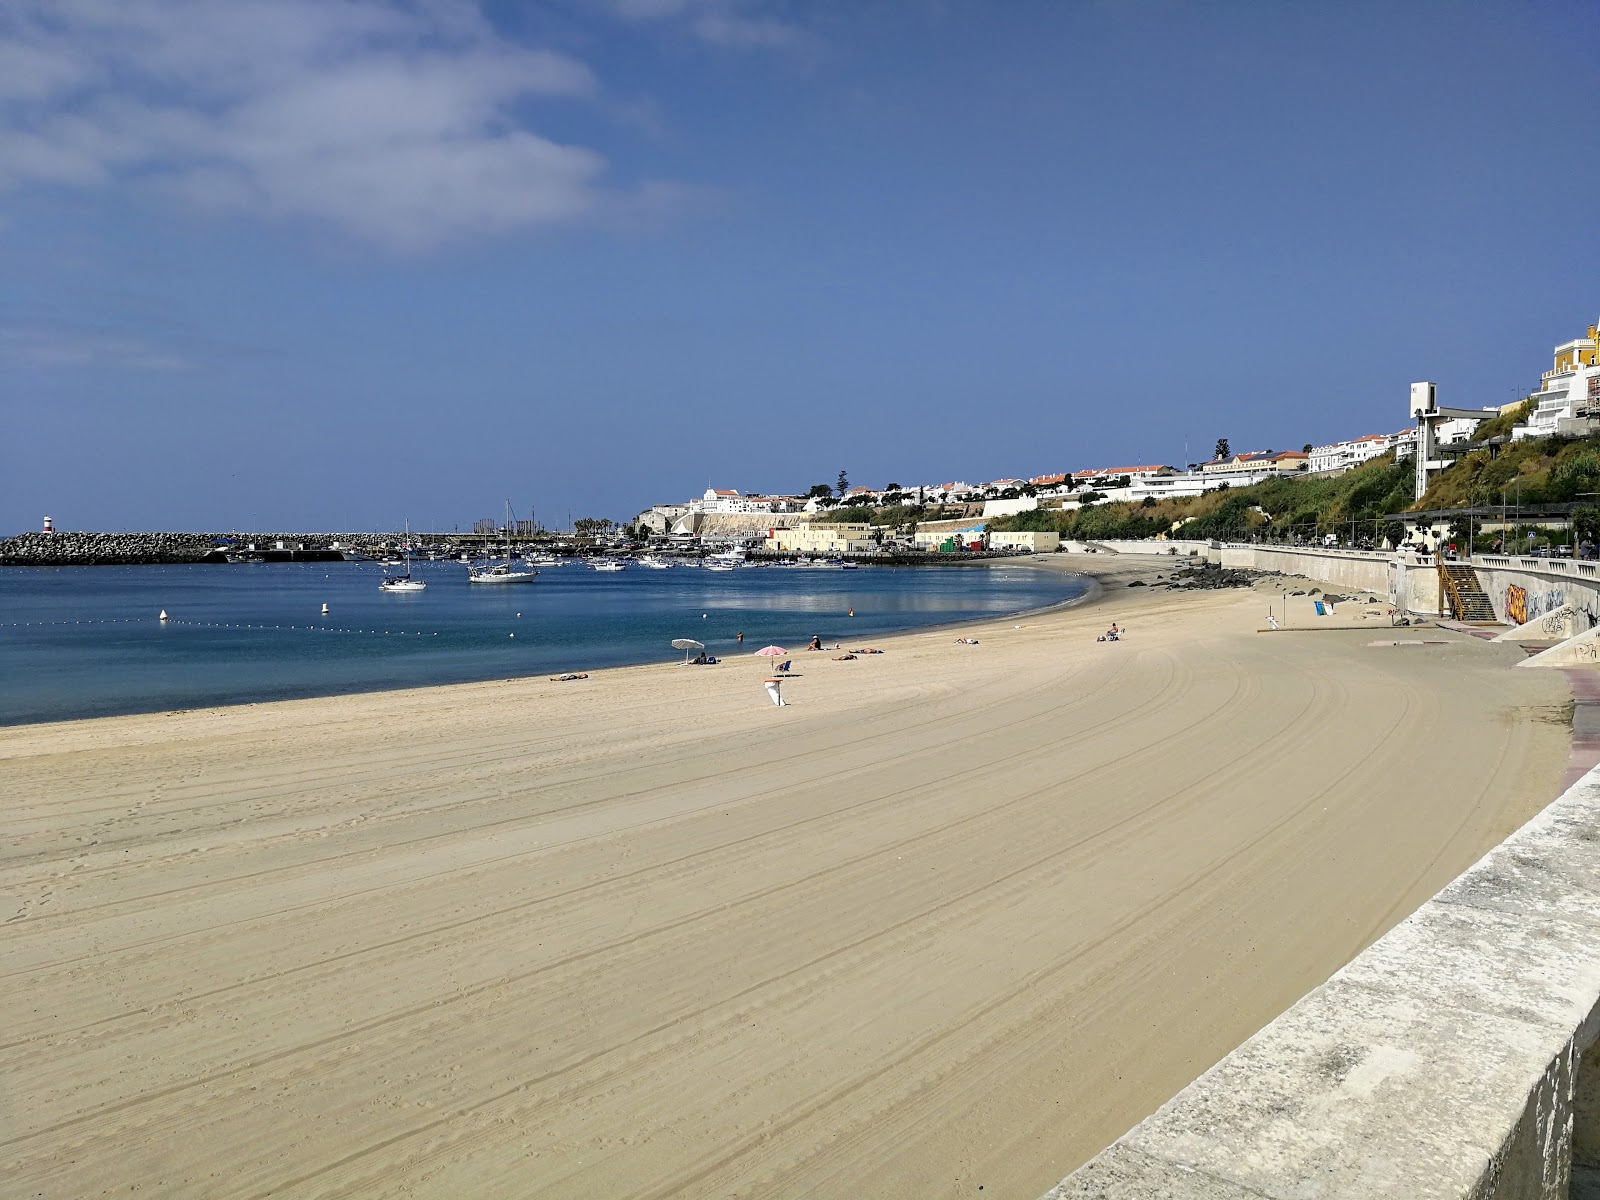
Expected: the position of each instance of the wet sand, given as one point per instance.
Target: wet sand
(957, 916)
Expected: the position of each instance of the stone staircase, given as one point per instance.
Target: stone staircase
(1465, 595)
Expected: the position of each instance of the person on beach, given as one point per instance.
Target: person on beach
(740, 638)
(815, 643)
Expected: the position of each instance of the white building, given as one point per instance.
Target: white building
(723, 500)
(1171, 487)
(1569, 393)
(1341, 456)
(1135, 474)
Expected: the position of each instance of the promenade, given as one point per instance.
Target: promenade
(959, 916)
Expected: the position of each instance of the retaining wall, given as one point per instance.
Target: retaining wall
(1450, 1061)
(1412, 581)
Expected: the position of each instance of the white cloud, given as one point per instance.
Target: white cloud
(398, 120)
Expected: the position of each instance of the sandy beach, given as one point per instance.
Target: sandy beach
(956, 917)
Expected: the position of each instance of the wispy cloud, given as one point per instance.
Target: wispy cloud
(43, 347)
(401, 121)
(732, 23)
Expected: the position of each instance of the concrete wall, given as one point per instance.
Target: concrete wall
(1039, 541)
(1450, 1060)
(1355, 569)
(1147, 546)
(1005, 508)
(1548, 582)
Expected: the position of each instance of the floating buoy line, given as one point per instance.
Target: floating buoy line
(164, 620)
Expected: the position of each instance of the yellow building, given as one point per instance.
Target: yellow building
(822, 539)
(1579, 352)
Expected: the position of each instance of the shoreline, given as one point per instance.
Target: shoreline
(957, 916)
(1091, 592)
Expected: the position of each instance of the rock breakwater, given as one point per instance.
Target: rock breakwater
(66, 549)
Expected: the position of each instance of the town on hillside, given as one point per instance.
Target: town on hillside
(958, 514)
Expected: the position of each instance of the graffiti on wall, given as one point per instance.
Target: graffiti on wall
(1516, 604)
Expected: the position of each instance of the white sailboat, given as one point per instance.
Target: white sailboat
(403, 583)
(505, 570)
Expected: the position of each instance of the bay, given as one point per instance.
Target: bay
(85, 641)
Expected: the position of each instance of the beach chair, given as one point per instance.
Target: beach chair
(783, 667)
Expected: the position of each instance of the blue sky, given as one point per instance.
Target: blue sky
(340, 263)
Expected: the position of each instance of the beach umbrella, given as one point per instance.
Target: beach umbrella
(688, 646)
(771, 652)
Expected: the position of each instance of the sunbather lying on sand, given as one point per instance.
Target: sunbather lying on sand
(868, 650)
(842, 657)
(564, 678)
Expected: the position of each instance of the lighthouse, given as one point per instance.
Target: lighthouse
(49, 525)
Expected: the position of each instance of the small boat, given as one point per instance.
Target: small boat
(402, 583)
(505, 570)
(608, 565)
(652, 563)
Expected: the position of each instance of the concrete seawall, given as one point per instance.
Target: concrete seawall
(1452, 1059)
(1412, 582)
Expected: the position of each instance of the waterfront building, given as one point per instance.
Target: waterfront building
(659, 518)
(830, 539)
(1040, 541)
(1341, 456)
(1568, 399)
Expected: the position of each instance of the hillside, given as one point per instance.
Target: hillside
(1301, 506)
(1538, 471)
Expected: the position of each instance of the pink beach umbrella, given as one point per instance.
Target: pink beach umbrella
(771, 652)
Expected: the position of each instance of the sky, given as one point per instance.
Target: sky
(344, 264)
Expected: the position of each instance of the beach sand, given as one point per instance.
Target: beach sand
(958, 916)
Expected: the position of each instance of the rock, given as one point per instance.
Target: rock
(1137, 583)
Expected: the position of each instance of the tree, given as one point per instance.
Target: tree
(1306, 449)
(1223, 449)
(894, 487)
(1148, 502)
(819, 490)
(1586, 524)
(843, 485)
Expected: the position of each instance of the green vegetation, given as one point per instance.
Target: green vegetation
(1279, 509)
(1537, 471)
(1500, 426)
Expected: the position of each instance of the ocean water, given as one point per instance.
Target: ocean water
(86, 641)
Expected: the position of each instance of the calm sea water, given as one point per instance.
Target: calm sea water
(85, 641)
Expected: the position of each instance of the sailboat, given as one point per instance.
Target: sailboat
(403, 583)
(507, 569)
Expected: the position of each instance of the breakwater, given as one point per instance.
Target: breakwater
(64, 549)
